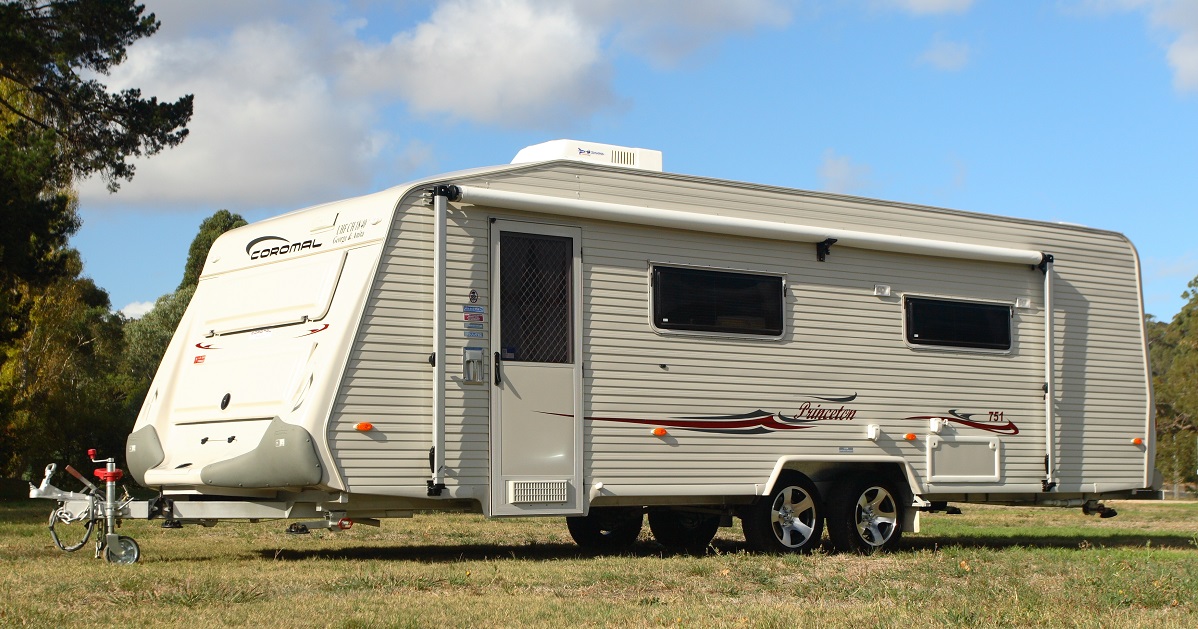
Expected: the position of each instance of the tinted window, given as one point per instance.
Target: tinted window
(700, 300)
(958, 323)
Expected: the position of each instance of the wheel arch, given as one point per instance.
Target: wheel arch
(824, 472)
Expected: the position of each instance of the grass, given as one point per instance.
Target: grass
(991, 566)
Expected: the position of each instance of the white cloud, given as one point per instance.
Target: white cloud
(528, 63)
(137, 309)
(946, 55)
(1183, 267)
(928, 7)
(665, 34)
(289, 97)
(503, 62)
(839, 174)
(1181, 17)
(268, 126)
(1178, 18)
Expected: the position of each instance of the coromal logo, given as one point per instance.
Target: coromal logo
(589, 152)
(272, 248)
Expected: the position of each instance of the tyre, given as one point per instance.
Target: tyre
(606, 529)
(685, 531)
(124, 552)
(789, 519)
(865, 515)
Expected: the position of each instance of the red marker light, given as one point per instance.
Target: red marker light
(1138, 441)
(909, 436)
(344, 524)
(363, 426)
(660, 432)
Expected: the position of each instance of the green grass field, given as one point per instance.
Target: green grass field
(990, 566)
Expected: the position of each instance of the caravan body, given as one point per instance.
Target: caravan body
(591, 336)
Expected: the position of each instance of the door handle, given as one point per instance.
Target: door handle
(498, 375)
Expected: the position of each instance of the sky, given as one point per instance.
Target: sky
(1079, 111)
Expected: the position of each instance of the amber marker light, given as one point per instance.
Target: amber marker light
(909, 436)
(660, 432)
(1137, 441)
(363, 426)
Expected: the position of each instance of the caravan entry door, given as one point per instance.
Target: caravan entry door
(536, 350)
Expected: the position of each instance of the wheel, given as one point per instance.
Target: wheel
(606, 529)
(686, 531)
(60, 521)
(790, 519)
(125, 551)
(864, 515)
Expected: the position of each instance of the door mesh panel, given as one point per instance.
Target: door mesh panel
(535, 275)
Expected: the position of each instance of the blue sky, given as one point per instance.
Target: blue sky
(1083, 111)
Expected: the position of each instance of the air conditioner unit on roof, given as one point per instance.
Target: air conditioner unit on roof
(641, 159)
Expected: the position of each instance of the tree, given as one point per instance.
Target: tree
(56, 125)
(146, 340)
(43, 47)
(212, 227)
(1174, 355)
(58, 392)
(37, 224)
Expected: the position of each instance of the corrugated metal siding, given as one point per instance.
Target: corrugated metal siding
(843, 340)
(388, 381)
(840, 340)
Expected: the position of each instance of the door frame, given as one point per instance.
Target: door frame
(498, 502)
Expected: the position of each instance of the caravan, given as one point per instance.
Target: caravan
(580, 334)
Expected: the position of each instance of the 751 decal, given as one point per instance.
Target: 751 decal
(995, 421)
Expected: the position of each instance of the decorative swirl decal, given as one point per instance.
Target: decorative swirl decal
(751, 423)
(1001, 427)
(754, 423)
(315, 330)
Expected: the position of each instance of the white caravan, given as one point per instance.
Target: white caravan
(580, 334)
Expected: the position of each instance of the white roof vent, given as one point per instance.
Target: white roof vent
(641, 159)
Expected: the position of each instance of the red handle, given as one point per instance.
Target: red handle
(109, 477)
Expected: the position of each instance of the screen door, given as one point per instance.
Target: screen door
(536, 428)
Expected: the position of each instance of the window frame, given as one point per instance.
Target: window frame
(652, 302)
(943, 347)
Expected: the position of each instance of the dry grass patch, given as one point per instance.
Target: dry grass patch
(991, 566)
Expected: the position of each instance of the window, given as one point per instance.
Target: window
(948, 323)
(722, 302)
(535, 275)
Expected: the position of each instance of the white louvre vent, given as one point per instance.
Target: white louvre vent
(626, 157)
(623, 158)
(537, 491)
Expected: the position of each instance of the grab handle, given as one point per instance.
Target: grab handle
(498, 373)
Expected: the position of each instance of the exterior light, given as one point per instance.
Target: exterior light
(363, 426)
(660, 432)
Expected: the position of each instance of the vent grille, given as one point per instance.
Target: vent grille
(623, 158)
(538, 491)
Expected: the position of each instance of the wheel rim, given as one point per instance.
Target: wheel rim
(793, 515)
(126, 552)
(876, 515)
